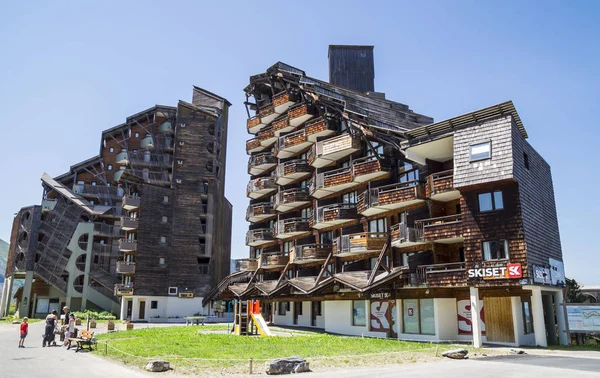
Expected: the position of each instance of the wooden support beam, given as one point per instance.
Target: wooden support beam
(324, 269)
(380, 263)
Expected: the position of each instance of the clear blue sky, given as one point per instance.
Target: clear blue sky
(71, 69)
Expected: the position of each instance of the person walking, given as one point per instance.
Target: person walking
(23, 333)
(51, 321)
(70, 329)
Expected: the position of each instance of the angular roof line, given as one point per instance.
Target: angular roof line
(213, 95)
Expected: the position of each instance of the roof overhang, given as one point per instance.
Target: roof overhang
(440, 150)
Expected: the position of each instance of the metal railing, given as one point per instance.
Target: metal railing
(402, 233)
(260, 234)
(261, 184)
(260, 159)
(318, 181)
(295, 166)
(292, 195)
(267, 209)
(435, 178)
(354, 242)
(424, 270)
(338, 207)
(311, 251)
(439, 221)
(296, 224)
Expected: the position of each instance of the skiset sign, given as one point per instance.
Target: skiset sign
(510, 271)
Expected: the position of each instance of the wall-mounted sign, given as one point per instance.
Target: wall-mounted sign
(465, 326)
(381, 295)
(501, 272)
(541, 274)
(557, 272)
(383, 317)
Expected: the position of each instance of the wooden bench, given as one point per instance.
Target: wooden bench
(85, 338)
(191, 320)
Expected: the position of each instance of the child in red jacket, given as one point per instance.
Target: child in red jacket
(24, 329)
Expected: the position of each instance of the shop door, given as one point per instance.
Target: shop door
(129, 308)
(499, 325)
(383, 318)
(142, 310)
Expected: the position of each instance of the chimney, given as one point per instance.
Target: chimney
(352, 67)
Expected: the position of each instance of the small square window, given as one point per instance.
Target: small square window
(495, 250)
(161, 261)
(153, 305)
(181, 143)
(526, 160)
(109, 167)
(163, 240)
(490, 201)
(111, 149)
(136, 135)
(172, 290)
(166, 199)
(481, 151)
(165, 219)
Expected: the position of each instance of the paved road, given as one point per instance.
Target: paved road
(51, 362)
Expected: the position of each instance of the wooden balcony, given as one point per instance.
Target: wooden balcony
(359, 243)
(260, 212)
(309, 253)
(292, 144)
(253, 145)
(129, 224)
(127, 245)
(443, 275)
(369, 168)
(446, 229)
(282, 126)
(394, 197)
(292, 227)
(246, 264)
(317, 128)
(130, 202)
(440, 186)
(332, 150)
(261, 187)
(282, 101)
(328, 183)
(334, 215)
(267, 137)
(292, 171)
(273, 260)
(404, 236)
(258, 237)
(254, 124)
(124, 267)
(290, 199)
(123, 289)
(267, 114)
(261, 163)
(301, 113)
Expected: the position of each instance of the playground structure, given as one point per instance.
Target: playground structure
(248, 319)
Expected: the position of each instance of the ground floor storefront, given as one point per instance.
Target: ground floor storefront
(524, 316)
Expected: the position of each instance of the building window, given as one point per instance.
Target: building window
(317, 308)
(204, 187)
(109, 167)
(526, 160)
(281, 308)
(165, 219)
(358, 313)
(163, 240)
(111, 149)
(153, 305)
(210, 147)
(203, 269)
(172, 290)
(136, 135)
(495, 250)
(179, 162)
(527, 317)
(209, 166)
(377, 225)
(481, 151)
(298, 308)
(165, 199)
(211, 129)
(161, 261)
(349, 198)
(490, 201)
(418, 316)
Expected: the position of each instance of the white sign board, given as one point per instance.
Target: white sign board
(557, 272)
(583, 318)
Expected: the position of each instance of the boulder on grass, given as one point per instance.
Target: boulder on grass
(456, 354)
(158, 366)
(289, 365)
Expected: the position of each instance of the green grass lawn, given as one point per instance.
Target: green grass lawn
(191, 349)
(9, 320)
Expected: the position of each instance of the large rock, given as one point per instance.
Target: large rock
(456, 354)
(294, 364)
(158, 366)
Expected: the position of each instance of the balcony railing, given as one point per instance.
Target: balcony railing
(258, 237)
(359, 243)
(261, 187)
(98, 191)
(127, 245)
(317, 128)
(283, 100)
(452, 274)
(390, 197)
(292, 171)
(102, 229)
(446, 229)
(166, 128)
(246, 264)
(328, 183)
(48, 204)
(141, 159)
(130, 202)
(334, 215)
(122, 158)
(261, 163)
(292, 227)
(267, 114)
(309, 253)
(105, 250)
(267, 137)
(292, 144)
(272, 260)
(259, 212)
(147, 142)
(405, 236)
(124, 267)
(369, 168)
(254, 124)
(440, 186)
(290, 199)
(282, 126)
(332, 150)
(124, 289)
(128, 223)
(253, 145)
(301, 113)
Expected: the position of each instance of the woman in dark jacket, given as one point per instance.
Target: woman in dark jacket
(51, 320)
